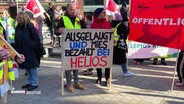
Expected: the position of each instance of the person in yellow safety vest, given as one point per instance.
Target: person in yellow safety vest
(121, 32)
(70, 21)
(5, 64)
(115, 22)
(9, 25)
(116, 36)
(11, 30)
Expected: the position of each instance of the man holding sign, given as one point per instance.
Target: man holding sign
(70, 21)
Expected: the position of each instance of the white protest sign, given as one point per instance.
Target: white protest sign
(87, 48)
(144, 50)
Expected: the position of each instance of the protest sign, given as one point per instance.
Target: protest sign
(87, 48)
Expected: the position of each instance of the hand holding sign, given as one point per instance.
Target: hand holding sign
(61, 30)
(20, 59)
(4, 54)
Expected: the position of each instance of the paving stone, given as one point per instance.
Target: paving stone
(150, 85)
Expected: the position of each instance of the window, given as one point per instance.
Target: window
(88, 2)
(98, 2)
(93, 2)
(101, 2)
(121, 1)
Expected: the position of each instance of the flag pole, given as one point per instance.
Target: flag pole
(62, 82)
(17, 5)
(129, 5)
(104, 4)
(80, 7)
(174, 76)
(105, 8)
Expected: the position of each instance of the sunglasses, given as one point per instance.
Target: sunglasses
(1, 13)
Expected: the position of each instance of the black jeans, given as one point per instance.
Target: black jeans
(99, 73)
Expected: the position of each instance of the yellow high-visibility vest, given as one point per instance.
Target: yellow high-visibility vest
(1, 69)
(11, 73)
(68, 24)
(1, 30)
(11, 27)
(116, 36)
(9, 23)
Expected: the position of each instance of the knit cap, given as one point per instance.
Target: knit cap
(118, 17)
(98, 11)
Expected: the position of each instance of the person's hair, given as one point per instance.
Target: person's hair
(5, 11)
(89, 17)
(31, 15)
(57, 5)
(51, 4)
(11, 2)
(12, 10)
(24, 17)
(69, 4)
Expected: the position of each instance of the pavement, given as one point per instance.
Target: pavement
(151, 84)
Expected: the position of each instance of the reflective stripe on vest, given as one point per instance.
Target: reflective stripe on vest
(10, 64)
(11, 73)
(1, 69)
(116, 36)
(1, 30)
(12, 37)
(68, 24)
(11, 30)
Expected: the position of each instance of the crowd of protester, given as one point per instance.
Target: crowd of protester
(24, 33)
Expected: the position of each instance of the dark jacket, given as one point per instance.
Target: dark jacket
(26, 40)
(61, 23)
(120, 50)
(114, 23)
(50, 14)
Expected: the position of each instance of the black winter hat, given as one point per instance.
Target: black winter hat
(98, 11)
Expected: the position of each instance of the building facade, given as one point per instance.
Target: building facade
(89, 5)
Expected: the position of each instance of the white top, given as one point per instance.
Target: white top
(4, 88)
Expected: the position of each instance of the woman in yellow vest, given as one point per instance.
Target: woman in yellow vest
(5, 53)
(121, 31)
(8, 24)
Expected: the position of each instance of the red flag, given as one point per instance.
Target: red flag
(159, 22)
(34, 7)
(112, 7)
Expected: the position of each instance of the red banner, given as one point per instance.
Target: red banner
(158, 22)
(34, 7)
(112, 7)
